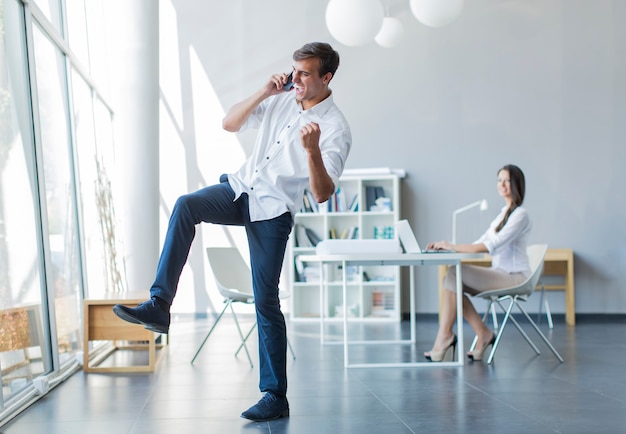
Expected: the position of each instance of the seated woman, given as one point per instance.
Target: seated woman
(506, 241)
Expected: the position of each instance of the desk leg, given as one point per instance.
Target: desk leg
(442, 272)
(322, 310)
(459, 312)
(345, 315)
(412, 302)
(570, 305)
(85, 335)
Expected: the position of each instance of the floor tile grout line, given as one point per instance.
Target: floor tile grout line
(379, 399)
(511, 407)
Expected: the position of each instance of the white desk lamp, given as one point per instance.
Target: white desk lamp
(483, 207)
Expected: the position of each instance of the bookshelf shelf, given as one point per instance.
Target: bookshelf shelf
(365, 206)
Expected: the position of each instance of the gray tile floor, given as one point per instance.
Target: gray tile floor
(519, 393)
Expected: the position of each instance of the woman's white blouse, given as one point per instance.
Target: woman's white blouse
(508, 247)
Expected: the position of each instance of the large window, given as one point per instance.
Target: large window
(51, 9)
(22, 351)
(57, 220)
(103, 262)
(60, 217)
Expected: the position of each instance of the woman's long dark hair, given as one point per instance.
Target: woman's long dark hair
(518, 189)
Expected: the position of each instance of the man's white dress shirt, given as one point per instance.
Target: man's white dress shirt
(277, 172)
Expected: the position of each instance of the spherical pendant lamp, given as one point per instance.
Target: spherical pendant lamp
(436, 13)
(390, 33)
(354, 22)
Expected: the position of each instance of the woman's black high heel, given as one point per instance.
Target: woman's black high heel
(477, 356)
(437, 356)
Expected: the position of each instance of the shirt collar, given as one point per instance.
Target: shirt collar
(321, 108)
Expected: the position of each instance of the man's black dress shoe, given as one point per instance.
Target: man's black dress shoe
(269, 407)
(149, 314)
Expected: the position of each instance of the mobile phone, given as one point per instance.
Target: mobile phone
(287, 86)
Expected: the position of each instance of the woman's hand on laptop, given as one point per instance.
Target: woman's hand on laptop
(440, 245)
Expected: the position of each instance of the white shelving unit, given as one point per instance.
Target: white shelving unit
(373, 292)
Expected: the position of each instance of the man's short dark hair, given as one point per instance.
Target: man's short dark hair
(329, 58)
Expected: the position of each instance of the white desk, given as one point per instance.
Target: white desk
(396, 259)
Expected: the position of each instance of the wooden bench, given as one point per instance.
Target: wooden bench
(558, 262)
(101, 324)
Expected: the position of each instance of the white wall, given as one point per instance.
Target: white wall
(541, 84)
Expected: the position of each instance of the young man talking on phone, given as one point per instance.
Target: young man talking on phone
(303, 141)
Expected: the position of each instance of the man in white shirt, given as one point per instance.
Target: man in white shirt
(303, 141)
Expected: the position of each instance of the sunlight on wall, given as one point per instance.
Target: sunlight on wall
(171, 160)
(194, 152)
(169, 76)
(218, 151)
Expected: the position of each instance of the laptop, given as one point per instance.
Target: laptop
(408, 240)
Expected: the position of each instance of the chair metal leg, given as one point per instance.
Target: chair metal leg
(514, 301)
(494, 317)
(291, 349)
(243, 340)
(543, 337)
(543, 301)
(500, 331)
(228, 302)
(549, 315)
(519, 327)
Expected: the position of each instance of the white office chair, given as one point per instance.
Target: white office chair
(234, 282)
(536, 254)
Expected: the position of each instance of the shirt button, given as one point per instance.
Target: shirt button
(278, 142)
(267, 158)
(251, 188)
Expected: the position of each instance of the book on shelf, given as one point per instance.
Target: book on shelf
(332, 234)
(351, 233)
(306, 205)
(312, 236)
(305, 236)
(298, 269)
(333, 203)
(382, 303)
(354, 203)
(340, 195)
(302, 273)
(338, 202)
(309, 204)
(372, 192)
(310, 274)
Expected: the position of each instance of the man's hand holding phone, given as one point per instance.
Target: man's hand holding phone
(279, 83)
